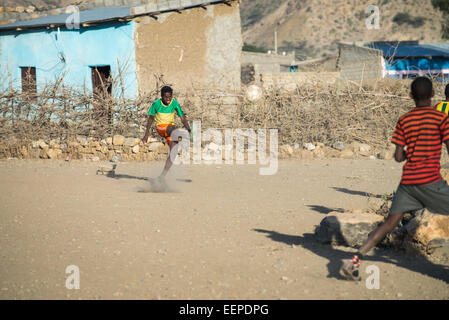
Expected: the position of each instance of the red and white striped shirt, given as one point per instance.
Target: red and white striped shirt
(423, 131)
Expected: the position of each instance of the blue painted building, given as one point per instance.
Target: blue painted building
(410, 59)
(129, 44)
(56, 51)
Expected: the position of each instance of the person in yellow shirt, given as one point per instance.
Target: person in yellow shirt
(444, 105)
(163, 112)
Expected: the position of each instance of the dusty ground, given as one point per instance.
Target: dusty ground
(228, 234)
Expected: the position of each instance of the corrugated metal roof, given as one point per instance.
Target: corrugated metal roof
(444, 46)
(96, 14)
(412, 50)
(112, 13)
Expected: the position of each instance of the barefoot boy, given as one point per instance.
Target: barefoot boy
(163, 111)
(422, 131)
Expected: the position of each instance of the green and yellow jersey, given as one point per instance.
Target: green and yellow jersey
(443, 107)
(165, 115)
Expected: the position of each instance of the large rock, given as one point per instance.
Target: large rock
(53, 154)
(118, 140)
(155, 146)
(351, 229)
(432, 232)
(347, 154)
(428, 227)
(445, 174)
(42, 144)
(82, 140)
(131, 142)
(331, 153)
(309, 146)
(286, 150)
(384, 155)
(339, 145)
(319, 152)
(94, 144)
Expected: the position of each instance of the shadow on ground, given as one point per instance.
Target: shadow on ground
(357, 193)
(309, 242)
(323, 209)
(125, 176)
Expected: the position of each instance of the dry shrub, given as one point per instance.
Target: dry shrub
(314, 112)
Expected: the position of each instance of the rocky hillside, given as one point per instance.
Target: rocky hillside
(49, 4)
(313, 27)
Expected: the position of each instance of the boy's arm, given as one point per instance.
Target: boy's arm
(147, 131)
(400, 154)
(183, 117)
(185, 123)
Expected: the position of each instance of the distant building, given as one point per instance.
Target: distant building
(359, 63)
(255, 64)
(401, 60)
(188, 43)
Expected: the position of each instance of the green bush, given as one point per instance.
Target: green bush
(443, 5)
(253, 48)
(405, 18)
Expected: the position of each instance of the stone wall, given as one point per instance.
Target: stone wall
(116, 147)
(132, 149)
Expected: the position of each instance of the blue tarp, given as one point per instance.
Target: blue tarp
(402, 51)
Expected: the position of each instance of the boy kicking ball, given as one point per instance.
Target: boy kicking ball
(163, 112)
(418, 137)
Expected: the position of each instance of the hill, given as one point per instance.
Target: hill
(313, 27)
(37, 3)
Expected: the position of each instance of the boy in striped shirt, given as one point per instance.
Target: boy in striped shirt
(418, 137)
(444, 105)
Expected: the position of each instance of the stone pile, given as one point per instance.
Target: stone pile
(126, 149)
(354, 150)
(132, 149)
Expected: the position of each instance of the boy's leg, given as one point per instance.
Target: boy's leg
(404, 201)
(168, 162)
(171, 144)
(378, 234)
(350, 268)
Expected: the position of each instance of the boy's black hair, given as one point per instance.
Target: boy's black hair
(446, 91)
(422, 88)
(166, 89)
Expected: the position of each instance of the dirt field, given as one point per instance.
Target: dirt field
(228, 234)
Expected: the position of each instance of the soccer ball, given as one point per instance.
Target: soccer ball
(253, 93)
